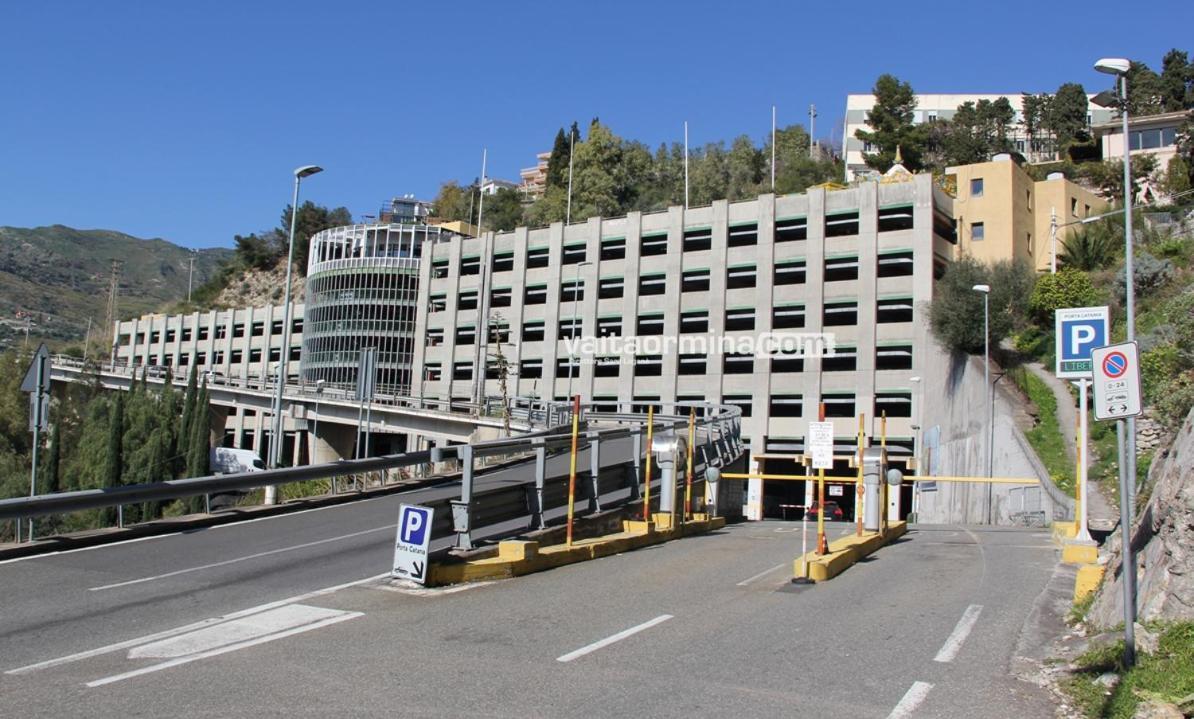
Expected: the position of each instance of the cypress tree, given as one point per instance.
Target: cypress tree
(115, 463)
(183, 443)
(197, 455)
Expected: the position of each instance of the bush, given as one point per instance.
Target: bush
(956, 314)
(1149, 274)
(1068, 288)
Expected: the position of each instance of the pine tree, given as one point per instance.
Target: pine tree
(115, 461)
(557, 164)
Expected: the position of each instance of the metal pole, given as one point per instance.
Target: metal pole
(572, 467)
(990, 397)
(812, 129)
(688, 484)
(190, 276)
(1083, 490)
(686, 164)
(1053, 240)
(568, 212)
(858, 491)
(773, 148)
(1127, 558)
(275, 449)
(1130, 291)
(37, 420)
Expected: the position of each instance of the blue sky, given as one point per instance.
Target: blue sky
(184, 121)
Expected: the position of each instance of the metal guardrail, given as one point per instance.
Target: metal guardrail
(718, 426)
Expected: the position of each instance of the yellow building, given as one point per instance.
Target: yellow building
(1002, 214)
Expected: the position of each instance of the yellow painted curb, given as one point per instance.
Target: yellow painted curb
(1075, 552)
(518, 557)
(1063, 531)
(1088, 580)
(845, 552)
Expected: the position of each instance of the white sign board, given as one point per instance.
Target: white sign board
(1116, 381)
(1079, 330)
(820, 444)
(414, 536)
(835, 490)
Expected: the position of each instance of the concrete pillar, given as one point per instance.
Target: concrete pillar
(218, 421)
(333, 442)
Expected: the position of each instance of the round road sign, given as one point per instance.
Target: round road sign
(1115, 364)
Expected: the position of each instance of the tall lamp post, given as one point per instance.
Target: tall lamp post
(284, 353)
(1119, 67)
(986, 292)
(575, 297)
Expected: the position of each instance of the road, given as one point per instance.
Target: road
(699, 627)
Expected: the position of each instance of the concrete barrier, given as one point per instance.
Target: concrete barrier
(516, 557)
(844, 552)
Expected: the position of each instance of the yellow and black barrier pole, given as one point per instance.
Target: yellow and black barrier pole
(572, 466)
(647, 473)
(688, 484)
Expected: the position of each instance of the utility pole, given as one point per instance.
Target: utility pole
(773, 148)
(812, 129)
(190, 275)
(87, 340)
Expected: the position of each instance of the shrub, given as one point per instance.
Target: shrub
(1149, 273)
(956, 314)
(1070, 287)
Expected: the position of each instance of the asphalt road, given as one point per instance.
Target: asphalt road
(700, 627)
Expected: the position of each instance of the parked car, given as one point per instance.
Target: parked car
(227, 460)
(832, 511)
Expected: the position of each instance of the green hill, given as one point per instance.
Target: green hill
(57, 277)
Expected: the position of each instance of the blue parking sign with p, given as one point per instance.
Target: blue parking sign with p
(414, 536)
(1079, 331)
(413, 523)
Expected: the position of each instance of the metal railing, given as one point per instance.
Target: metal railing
(718, 444)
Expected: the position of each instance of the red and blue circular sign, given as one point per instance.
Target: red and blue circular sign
(1115, 364)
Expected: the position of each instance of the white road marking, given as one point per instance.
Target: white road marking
(273, 621)
(235, 560)
(611, 639)
(762, 574)
(107, 649)
(912, 699)
(433, 591)
(953, 644)
(335, 618)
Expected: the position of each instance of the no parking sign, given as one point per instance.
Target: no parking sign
(1116, 381)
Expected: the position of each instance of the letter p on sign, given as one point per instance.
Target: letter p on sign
(413, 525)
(1082, 338)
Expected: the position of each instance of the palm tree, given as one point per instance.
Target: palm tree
(1088, 249)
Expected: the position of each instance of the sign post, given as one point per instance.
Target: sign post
(1079, 331)
(414, 536)
(820, 445)
(1117, 396)
(37, 384)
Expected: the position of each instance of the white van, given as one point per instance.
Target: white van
(227, 460)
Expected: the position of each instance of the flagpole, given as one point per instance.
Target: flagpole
(568, 212)
(686, 164)
(773, 148)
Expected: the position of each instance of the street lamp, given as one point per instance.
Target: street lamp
(315, 431)
(986, 292)
(575, 297)
(276, 445)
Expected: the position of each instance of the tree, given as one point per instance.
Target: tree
(1091, 247)
(310, 220)
(1176, 81)
(956, 314)
(1069, 287)
(891, 126)
(255, 251)
(1178, 176)
(115, 460)
(557, 163)
(708, 174)
(503, 210)
(1035, 111)
(1066, 117)
(452, 201)
(978, 131)
(51, 473)
(1108, 176)
(745, 165)
(1145, 94)
(599, 186)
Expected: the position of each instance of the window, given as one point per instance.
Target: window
(789, 272)
(1028, 199)
(895, 264)
(1153, 138)
(737, 363)
(236, 357)
(1073, 207)
(255, 354)
(535, 295)
(838, 405)
(609, 326)
(470, 265)
(568, 367)
(692, 364)
(170, 334)
(791, 229)
(945, 227)
(462, 370)
(605, 403)
(694, 321)
(501, 297)
(741, 401)
(571, 327)
(467, 301)
(841, 269)
(649, 325)
(841, 224)
(652, 284)
(892, 219)
(613, 248)
(648, 365)
(976, 187)
(202, 334)
(787, 317)
(893, 310)
(466, 335)
(743, 235)
(238, 329)
(740, 277)
(977, 232)
(221, 333)
(499, 332)
(439, 269)
(840, 313)
(296, 326)
(609, 288)
(895, 404)
(532, 331)
(186, 334)
(651, 245)
(438, 302)
(503, 262)
(1028, 242)
(432, 371)
(893, 357)
(742, 319)
(642, 402)
(574, 254)
(435, 337)
(698, 239)
(572, 291)
(694, 281)
(843, 359)
(786, 405)
(607, 366)
(537, 257)
(786, 364)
